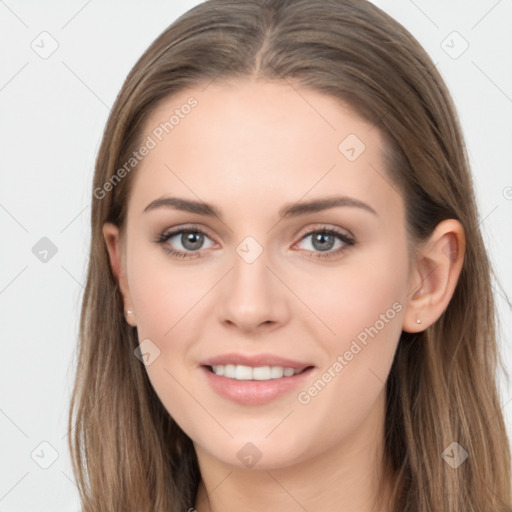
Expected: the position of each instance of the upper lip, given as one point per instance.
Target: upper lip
(254, 360)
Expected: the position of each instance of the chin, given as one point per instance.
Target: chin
(257, 452)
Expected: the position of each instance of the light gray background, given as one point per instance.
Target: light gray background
(53, 113)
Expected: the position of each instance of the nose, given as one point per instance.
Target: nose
(253, 296)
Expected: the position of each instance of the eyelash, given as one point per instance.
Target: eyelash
(347, 240)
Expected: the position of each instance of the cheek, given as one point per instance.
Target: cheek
(168, 299)
(165, 292)
(366, 318)
(362, 306)
(366, 324)
(355, 295)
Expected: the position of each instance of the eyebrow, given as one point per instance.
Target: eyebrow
(287, 211)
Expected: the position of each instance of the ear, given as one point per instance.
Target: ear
(434, 275)
(117, 262)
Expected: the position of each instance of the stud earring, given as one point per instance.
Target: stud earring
(128, 312)
(418, 321)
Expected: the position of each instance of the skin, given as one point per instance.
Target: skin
(248, 148)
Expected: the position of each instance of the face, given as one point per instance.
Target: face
(269, 326)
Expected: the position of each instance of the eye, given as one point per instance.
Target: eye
(322, 243)
(191, 241)
(324, 240)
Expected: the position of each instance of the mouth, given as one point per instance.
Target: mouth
(254, 380)
(259, 373)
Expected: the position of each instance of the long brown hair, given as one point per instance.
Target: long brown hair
(127, 452)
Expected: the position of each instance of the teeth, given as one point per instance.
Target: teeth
(242, 372)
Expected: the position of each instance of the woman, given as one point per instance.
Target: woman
(288, 303)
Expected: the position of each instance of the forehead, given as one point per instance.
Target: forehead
(253, 142)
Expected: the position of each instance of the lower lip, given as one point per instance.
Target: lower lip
(254, 392)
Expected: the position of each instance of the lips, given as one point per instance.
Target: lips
(256, 379)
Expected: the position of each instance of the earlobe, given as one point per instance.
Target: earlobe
(114, 247)
(435, 276)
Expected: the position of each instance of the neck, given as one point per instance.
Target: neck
(346, 478)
